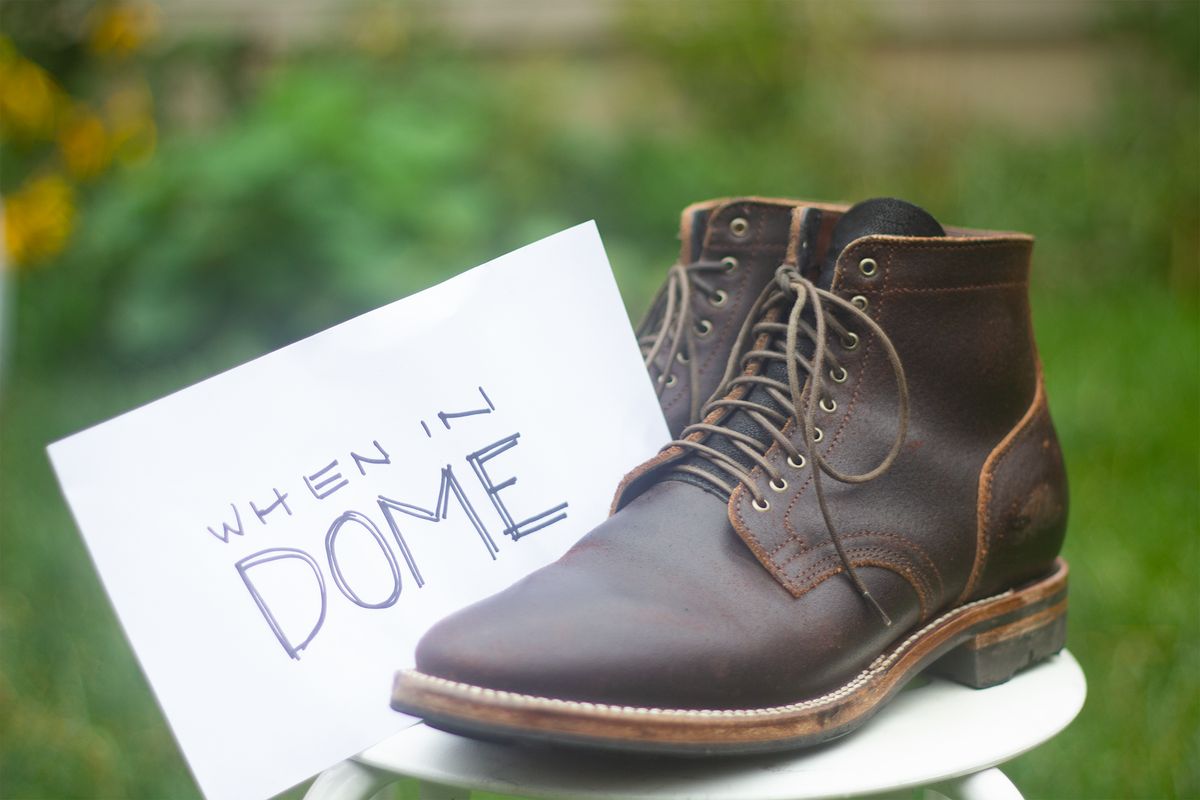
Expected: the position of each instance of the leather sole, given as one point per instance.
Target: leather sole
(981, 643)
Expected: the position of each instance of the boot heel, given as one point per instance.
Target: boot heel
(993, 656)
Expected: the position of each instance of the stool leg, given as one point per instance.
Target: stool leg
(991, 784)
(349, 780)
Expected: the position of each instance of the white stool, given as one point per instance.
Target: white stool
(936, 734)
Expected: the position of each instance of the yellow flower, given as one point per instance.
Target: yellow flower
(38, 219)
(121, 29)
(84, 143)
(29, 98)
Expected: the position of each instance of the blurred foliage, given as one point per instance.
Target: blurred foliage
(269, 197)
(53, 140)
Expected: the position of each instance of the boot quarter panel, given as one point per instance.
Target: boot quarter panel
(959, 321)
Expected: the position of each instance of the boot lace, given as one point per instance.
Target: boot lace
(798, 398)
(676, 333)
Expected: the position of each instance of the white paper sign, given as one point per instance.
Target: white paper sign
(277, 538)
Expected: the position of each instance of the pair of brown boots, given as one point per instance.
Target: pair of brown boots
(865, 483)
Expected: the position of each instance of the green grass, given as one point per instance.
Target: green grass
(344, 182)
(1123, 387)
(77, 718)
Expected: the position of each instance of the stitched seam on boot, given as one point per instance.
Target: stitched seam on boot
(881, 663)
(871, 557)
(868, 349)
(926, 577)
(936, 289)
(819, 572)
(987, 477)
(902, 567)
(765, 557)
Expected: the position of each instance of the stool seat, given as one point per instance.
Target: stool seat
(935, 733)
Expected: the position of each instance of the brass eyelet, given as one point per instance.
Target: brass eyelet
(739, 227)
(704, 327)
(868, 267)
(718, 297)
(729, 263)
(681, 357)
(781, 486)
(828, 409)
(851, 340)
(859, 302)
(671, 380)
(818, 434)
(839, 377)
(800, 465)
(764, 507)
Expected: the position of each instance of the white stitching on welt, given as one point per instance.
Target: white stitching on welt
(878, 665)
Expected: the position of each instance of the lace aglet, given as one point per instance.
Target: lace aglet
(882, 614)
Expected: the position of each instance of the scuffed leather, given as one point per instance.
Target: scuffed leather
(662, 605)
(680, 600)
(956, 310)
(1022, 505)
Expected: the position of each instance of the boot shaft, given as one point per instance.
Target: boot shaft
(729, 250)
(976, 499)
(957, 310)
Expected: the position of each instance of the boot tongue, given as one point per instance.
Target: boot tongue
(881, 216)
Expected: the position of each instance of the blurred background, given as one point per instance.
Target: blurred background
(192, 183)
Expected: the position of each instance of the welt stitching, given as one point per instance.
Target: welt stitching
(882, 662)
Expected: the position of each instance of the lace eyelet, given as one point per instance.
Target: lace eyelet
(859, 302)
(739, 227)
(799, 465)
(704, 327)
(729, 263)
(681, 357)
(764, 507)
(828, 409)
(839, 377)
(868, 267)
(671, 380)
(781, 486)
(818, 434)
(718, 297)
(851, 340)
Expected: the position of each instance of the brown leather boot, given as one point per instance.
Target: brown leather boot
(879, 490)
(729, 250)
